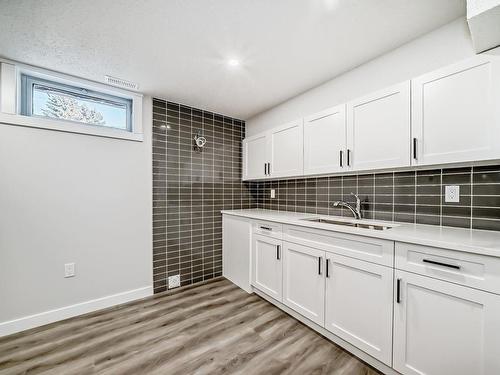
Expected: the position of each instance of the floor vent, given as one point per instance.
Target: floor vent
(174, 281)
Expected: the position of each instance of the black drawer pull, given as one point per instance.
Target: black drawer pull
(266, 228)
(441, 264)
(398, 290)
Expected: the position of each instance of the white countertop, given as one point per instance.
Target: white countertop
(468, 240)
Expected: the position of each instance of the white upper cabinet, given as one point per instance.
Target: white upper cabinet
(286, 150)
(254, 157)
(378, 129)
(325, 141)
(451, 115)
(441, 328)
(456, 113)
(274, 154)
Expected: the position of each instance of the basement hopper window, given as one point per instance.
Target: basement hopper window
(55, 100)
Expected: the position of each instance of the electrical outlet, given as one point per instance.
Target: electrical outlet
(273, 193)
(69, 270)
(174, 281)
(452, 194)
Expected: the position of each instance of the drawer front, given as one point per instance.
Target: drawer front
(360, 247)
(268, 228)
(473, 270)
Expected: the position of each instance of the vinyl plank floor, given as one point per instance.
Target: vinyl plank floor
(210, 328)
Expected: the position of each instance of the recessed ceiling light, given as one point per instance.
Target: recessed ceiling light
(332, 5)
(233, 62)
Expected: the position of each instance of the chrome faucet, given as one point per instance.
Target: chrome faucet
(356, 210)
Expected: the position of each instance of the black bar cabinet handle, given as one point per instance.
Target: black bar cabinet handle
(265, 228)
(415, 148)
(441, 264)
(319, 265)
(268, 168)
(341, 159)
(278, 255)
(265, 169)
(327, 267)
(398, 290)
(348, 157)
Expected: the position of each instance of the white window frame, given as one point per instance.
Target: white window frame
(10, 103)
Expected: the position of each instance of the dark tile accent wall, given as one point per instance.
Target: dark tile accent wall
(190, 188)
(412, 196)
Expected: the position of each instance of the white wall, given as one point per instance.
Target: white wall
(441, 47)
(68, 197)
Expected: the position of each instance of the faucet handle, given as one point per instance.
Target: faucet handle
(358, 201)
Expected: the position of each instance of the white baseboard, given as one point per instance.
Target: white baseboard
(46, 317)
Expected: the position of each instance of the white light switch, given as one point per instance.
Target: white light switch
(452, 194)
(273, 193)
(69, 270)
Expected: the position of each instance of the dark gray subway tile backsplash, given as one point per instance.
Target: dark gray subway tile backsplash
(409, 196)
(190, 188)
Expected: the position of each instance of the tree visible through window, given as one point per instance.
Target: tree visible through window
(44, 98)
(67, 108)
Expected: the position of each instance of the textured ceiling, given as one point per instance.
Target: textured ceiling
(178, 49)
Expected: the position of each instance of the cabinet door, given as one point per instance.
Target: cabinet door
(254, 157)
(303, 281)
(325, 141)
(267, 268)
(442, 328)
(359, 304)
(286, 150)
(455, 112)
(378, 129)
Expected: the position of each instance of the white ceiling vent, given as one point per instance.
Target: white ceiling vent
(118, 82)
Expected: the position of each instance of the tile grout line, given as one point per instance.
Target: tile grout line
(471, 196)
(179, 189)
(191, 194)
(166, 189)
(441, 198)
(393, 193)
(374, 195)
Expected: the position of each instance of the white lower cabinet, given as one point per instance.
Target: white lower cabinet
(303, 281)
(267, 268)
(441, 328)
(236, 245)
(359, 302)
(416, 324)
